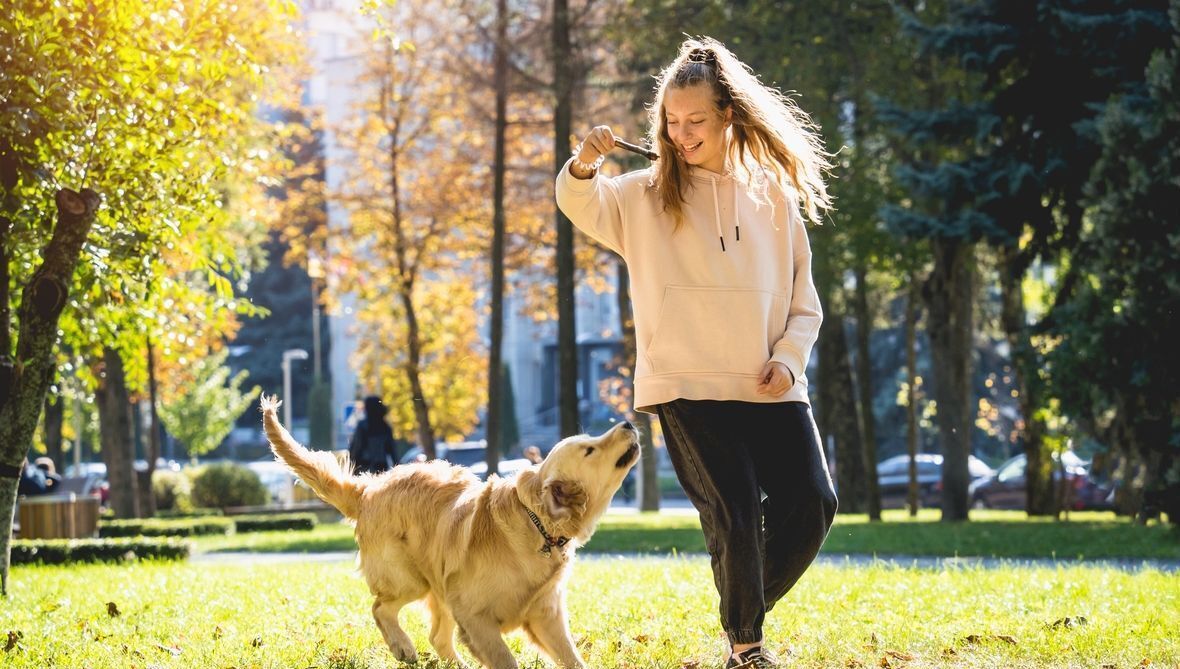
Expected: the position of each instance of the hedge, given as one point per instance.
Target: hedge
(152, 527)
(285, 521)
(66, 551)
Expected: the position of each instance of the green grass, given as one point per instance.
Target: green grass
(991, 534)
(626, 612)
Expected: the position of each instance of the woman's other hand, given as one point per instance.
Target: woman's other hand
(776, 379)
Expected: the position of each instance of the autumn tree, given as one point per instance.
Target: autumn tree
(123, 121)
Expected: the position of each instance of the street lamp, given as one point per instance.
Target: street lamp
(289, 355)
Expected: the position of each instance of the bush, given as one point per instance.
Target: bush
(190, 513)
(224, 485)
(159, 527)
(173, 491)
(286, 521)
(68, 551)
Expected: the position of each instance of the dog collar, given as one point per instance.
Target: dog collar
(550, 542)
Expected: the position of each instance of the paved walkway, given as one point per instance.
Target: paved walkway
(838, 560)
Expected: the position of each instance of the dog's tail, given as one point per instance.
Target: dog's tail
(319, 469)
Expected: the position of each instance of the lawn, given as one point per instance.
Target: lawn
(991, 534)
(649, 613)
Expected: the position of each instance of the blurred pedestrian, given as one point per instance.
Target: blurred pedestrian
(372, 447)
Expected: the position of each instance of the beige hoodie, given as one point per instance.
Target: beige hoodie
(714, 300)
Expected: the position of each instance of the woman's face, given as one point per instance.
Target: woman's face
(696, 127)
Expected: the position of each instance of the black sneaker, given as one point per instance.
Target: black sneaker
(754, 658)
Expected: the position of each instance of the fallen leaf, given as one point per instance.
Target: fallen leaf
(690, 664)
(1006, 638)
(1069, 622)
(14, 637)
(884, 662)
(853, 663)
(256, 641)
(641, 638)
(1145, 663)
(112, 610)
(898, 655)
(218, 632)
(169, 649)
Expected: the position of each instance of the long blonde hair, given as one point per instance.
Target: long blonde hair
(770, 135)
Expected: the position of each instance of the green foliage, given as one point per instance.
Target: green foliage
(280, 522)
(155, 527)
(201, 415)
(320, 416)
(173, 491)
(509, 428)
(1114, 339)
(226, 485)
(71, 551)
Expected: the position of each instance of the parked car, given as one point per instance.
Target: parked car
(1006, 489)
(470, 454)
(893, 478)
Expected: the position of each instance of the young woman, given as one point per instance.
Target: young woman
(726, 314)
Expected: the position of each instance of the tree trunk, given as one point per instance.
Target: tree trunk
(147, 498)
(23, 392)
(118, 448)
(837, 403)
(55, 414)
(649, 480)
(495, 402)
(864, 384)
(948, 293)
(911, 370)
(1041, 500)
(413, 364)
(567, 345)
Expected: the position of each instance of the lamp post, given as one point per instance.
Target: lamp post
(289, 355)
(315, 271)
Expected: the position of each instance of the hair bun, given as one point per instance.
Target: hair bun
(702, 55)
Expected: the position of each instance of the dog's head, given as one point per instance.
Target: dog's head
(574, 484)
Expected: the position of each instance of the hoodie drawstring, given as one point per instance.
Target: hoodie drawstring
(717, 213)
(737, 227)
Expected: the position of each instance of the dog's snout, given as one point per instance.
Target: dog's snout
(628, 426)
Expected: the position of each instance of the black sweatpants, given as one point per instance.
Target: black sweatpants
(758, 476)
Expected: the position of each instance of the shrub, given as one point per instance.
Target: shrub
(224, 485)
(160, 527)
(190, 513)
(67, 551)
(173, 491)
(286, 521)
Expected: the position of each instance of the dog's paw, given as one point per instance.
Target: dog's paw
(269, 403)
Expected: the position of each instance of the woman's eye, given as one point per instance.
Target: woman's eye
(697, 122)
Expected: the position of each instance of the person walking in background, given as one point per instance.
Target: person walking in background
(726, 315)
(372, 447)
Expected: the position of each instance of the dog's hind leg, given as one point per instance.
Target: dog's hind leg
(385, 612)
(482, 636)
(442, 631)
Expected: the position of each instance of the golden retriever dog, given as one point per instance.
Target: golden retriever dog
(487, 557)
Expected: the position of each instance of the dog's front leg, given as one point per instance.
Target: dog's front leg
(547, 627)
(482, 636)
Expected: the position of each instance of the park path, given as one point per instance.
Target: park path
(677, 506)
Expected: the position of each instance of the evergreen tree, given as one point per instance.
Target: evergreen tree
(1116, 364)
(1020, 155)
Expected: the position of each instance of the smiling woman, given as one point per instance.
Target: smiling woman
(726, 314)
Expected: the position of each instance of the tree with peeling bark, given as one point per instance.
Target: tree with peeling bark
(153, 106)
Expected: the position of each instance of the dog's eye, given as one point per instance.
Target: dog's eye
(589, 450)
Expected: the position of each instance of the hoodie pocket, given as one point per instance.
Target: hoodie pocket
(716, 330)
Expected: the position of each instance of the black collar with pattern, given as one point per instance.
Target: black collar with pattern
(550, 541)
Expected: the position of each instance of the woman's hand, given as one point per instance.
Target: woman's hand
(598, 143)
(775, 379)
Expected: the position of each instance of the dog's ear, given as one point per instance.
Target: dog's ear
(563, 497)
